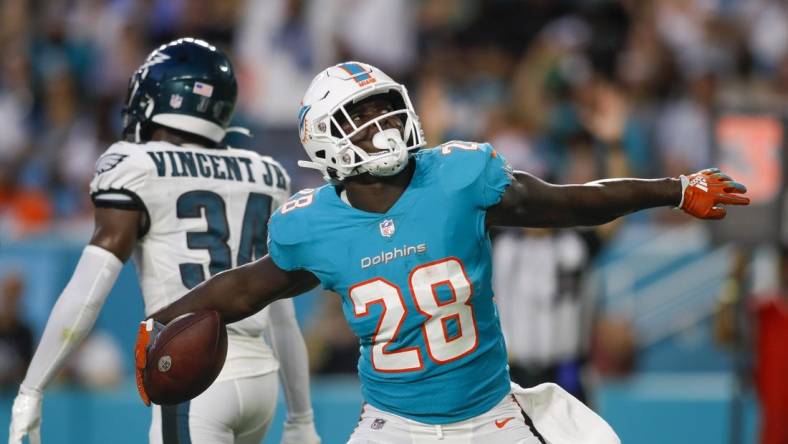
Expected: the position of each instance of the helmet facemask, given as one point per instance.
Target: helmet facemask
(393, 143)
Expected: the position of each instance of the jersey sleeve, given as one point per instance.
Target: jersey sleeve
(119, 178)
(281, 254)
(288, 229)
(477, 169)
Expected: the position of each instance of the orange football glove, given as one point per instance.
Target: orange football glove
(146, 334)
(704, 193)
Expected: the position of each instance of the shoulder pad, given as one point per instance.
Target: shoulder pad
(122, 165)
(116, 154)
(120, 177)
(291, 223)
(461, 164)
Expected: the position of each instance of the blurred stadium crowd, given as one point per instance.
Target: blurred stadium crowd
(568, 90)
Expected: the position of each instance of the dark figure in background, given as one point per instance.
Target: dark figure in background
(16, 338)
(545, 315)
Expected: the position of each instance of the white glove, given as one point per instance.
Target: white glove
(26, 417)
(300, 431)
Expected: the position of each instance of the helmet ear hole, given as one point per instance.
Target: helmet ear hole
(321, 154)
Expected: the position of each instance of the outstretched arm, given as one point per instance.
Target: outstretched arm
(241, 291)
(531, 202)
(75, 313)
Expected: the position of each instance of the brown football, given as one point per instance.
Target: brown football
(186, 357)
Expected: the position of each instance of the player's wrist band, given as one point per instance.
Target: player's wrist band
(301, 418)
(684, 184)
(30, 391)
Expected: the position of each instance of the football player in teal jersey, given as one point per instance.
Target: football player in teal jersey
(401, 233)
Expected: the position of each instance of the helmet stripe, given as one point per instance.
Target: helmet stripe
(355, 70)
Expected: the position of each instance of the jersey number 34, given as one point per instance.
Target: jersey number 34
(443, 346)
(254, 231)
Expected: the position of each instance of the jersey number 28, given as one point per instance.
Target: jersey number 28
(253, 233)
(442, 346)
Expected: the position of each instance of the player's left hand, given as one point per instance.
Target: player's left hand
(26, 417)
(704, 193)
(146, 334)
(300, 432)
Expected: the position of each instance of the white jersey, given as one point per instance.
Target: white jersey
(206, 210)
(538, 290)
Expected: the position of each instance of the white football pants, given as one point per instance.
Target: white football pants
(236, 411)
(503, 424)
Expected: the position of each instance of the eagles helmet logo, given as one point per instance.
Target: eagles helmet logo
(154, 59)
(108, 162)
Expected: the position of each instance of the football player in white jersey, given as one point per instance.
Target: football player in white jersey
(185, 207)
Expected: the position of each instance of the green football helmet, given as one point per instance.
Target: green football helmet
(187, 85)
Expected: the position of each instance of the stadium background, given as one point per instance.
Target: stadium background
(568, 90)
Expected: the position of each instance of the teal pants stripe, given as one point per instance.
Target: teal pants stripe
(175, 424)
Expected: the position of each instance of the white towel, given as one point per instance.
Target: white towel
(561, 418)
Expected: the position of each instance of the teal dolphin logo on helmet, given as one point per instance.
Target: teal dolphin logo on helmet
(302, 120)
(187, 85)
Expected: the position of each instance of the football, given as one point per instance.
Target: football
(185, 357)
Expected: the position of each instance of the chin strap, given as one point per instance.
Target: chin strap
(312, 165)
(316, 166)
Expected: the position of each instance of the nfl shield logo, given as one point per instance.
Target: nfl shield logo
(175, 101)
(387, 227)
(377, 424)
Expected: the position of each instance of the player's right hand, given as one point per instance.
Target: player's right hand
(704, 193)
(146, 334)
(26, 417)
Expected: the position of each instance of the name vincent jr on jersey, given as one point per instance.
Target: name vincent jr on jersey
(213, 166)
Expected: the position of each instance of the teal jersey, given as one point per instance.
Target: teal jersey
(415, 282)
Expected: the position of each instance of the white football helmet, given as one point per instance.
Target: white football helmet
(325, 107)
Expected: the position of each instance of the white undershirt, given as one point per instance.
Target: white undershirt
(343, 197)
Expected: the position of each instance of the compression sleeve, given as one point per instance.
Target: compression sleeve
(73, 315)
(284, 336)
